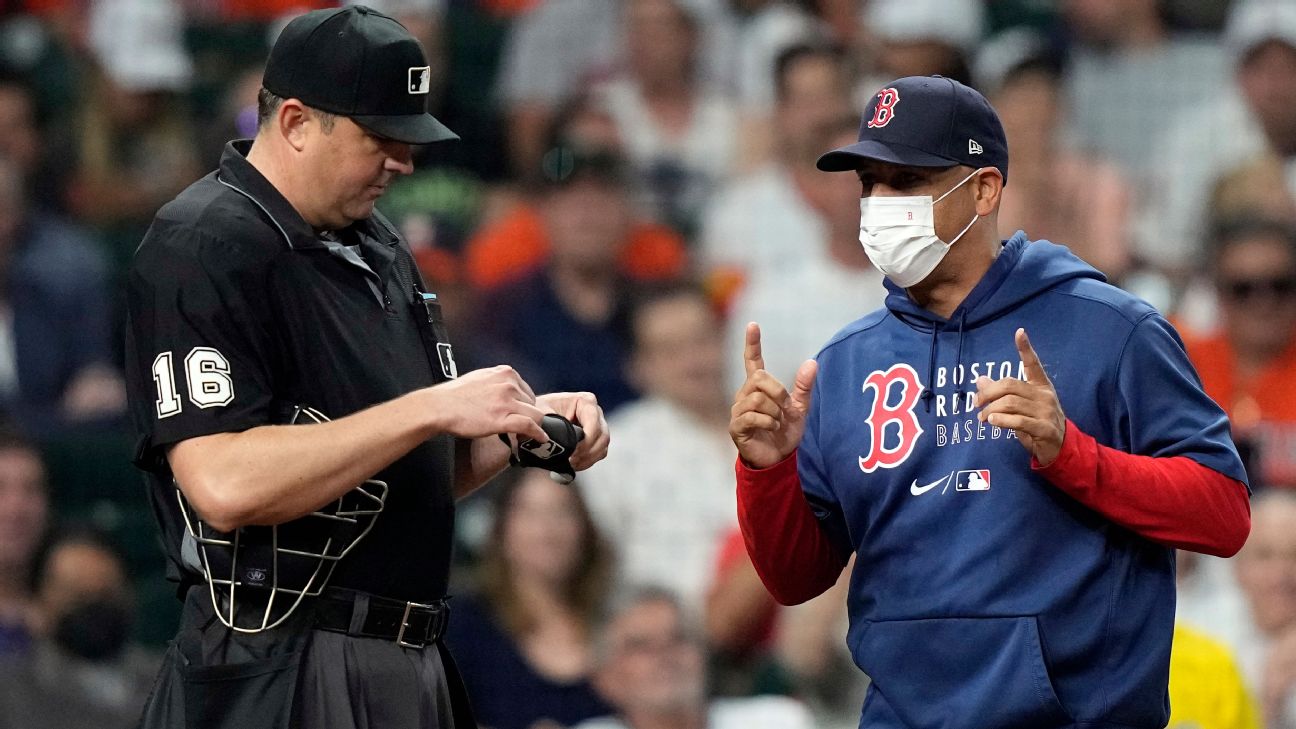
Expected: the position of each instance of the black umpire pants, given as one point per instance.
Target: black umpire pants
(296, 676)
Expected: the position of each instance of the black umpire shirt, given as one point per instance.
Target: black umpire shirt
(238, 311)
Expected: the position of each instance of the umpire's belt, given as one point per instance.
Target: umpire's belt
(409, 624)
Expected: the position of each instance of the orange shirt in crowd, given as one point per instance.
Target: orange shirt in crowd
(517, 244)
(1262, 408)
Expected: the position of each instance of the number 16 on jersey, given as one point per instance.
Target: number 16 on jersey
(207, 381)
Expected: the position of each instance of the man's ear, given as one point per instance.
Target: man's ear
(291, 122)
(988, 186)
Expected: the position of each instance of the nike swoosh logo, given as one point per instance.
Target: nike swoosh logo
(917, 490)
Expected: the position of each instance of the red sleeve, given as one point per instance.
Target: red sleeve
(790, 551)
(1172, 501)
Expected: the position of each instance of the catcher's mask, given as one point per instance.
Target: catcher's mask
(258, 575)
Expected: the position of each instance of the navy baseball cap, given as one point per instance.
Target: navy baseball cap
(357, 63)
(925, 121)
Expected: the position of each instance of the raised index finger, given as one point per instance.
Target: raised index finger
(1034, 368)
(752, 358)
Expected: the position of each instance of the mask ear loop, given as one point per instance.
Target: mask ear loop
(975, 218)
(960, 184)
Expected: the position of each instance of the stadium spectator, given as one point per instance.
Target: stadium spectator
(1250, 120)
(666, 499)
(825, 277)
(1058, 193)
(679, 134)
(562, 46)
(765, 29)
(24, 511)
(84, 673)
(1266, 572)
(923, 38)
(1129, 72)
(516, 243)
(651, 667)
(524, 642)
(56, 361)
(1248, 366)
(135, 145)
(1206, 689)
(568, 319)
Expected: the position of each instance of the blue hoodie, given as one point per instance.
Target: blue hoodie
(983, 597)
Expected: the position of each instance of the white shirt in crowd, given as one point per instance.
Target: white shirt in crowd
(665, 501)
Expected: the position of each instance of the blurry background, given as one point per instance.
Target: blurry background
(634, 184)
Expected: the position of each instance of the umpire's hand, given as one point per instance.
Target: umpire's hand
(488, 401)
(766, 422)
(1029, 407)
(581, 408)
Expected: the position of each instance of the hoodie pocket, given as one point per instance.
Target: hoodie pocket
(962, 673)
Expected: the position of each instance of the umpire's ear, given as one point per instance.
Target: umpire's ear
(291, 123)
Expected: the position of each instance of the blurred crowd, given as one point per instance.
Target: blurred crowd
(634, 184)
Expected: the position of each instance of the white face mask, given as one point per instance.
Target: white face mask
(899, 235)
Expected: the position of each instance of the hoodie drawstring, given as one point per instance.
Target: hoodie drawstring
(928, 393)
(958, 359)
(931, 371)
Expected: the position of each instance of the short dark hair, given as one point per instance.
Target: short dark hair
(269, 102)
(1227, 231)
(78, 533)
(792, 55)
(650, 294)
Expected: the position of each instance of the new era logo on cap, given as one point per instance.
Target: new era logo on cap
(420, 79)
(973, 147)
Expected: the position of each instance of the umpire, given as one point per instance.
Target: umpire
(272, 284)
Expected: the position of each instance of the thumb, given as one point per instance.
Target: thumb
(804, 382)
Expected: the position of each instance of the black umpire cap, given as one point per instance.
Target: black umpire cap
(357, 63)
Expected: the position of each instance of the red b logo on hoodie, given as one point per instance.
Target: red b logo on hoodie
(893, 425)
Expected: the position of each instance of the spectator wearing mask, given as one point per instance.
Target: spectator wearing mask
(83, 672)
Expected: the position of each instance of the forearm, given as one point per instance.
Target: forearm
(478, 460)
(1172, 501)
(791, 552)
(276, 473)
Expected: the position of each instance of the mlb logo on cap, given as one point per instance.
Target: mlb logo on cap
(420, 79)
(972, 480)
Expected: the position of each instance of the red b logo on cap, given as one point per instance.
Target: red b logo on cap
(885, 110)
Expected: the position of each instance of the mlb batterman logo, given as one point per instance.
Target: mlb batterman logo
(420, 79)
